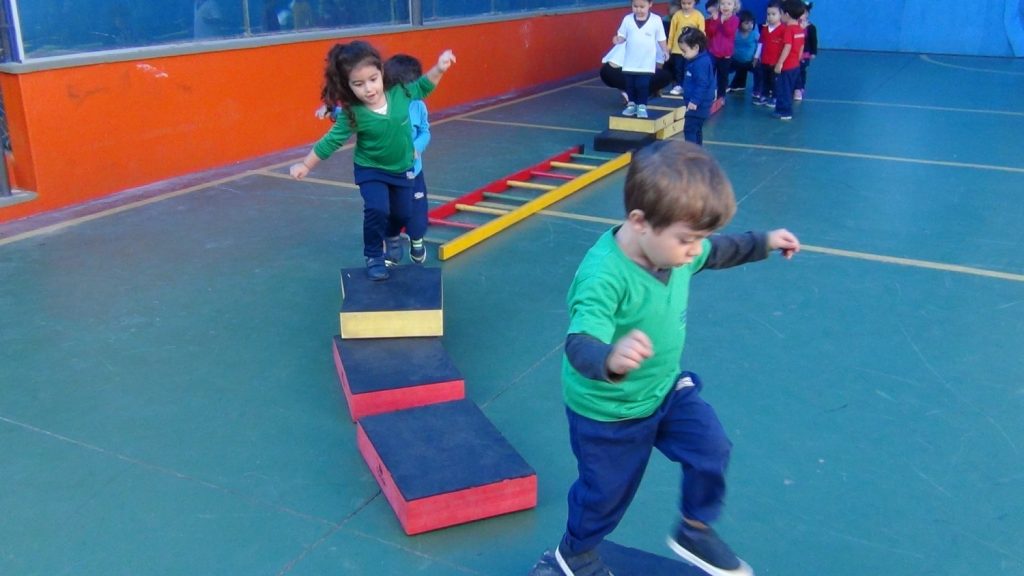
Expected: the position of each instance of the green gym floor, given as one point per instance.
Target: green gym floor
(168, 402)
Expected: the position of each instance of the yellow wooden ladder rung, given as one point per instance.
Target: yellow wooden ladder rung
(530, 185)
(504, 196)
(572, 165)
(480, 209)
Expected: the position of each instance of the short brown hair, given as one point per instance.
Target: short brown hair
(675, 181)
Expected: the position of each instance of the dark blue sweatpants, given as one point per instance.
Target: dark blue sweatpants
(417, 226)
(612, 456)
(785, 84)
(387, 204)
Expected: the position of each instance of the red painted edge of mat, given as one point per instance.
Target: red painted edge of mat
(449, 509)
(370, 403)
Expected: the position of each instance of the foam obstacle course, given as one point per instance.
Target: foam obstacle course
(666, 118)
(436, 457)
(513, 198)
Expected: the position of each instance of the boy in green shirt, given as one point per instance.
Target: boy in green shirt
(623, 388)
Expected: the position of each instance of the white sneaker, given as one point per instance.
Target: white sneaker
(676, 90)
(798, 95)
(641, 111)
(625, 97)
(630, 110)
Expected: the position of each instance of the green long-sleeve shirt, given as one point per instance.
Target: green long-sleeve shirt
(383, 141)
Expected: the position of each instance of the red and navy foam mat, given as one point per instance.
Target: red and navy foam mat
(444, 464)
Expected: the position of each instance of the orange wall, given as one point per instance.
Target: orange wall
(85, 132)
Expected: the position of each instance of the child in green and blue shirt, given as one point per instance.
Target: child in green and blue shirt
(624, 390)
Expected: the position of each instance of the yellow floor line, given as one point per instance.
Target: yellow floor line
(915, 107)
(816, 249)
(307, 179)
(118, 209)
(947, 163)
(525, 125)
(930, 60)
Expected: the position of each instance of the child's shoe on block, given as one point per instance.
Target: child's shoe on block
(394, 251)
(630, 110)
(704, 549)
(676, 90)
(377, 268)
(641, 111)
(588, 563)
(417, 251)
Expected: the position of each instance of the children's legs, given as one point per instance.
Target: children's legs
(400, 199)
(643, 88)
(631, 86)
(376, 211)
(678, 68)
(801, 82)
(739, 79)
(768, 81)
(692, 435)
(784, 86)
(611, 458)
(758, 81)
(416, 228)
(693, 130)
(722, 66)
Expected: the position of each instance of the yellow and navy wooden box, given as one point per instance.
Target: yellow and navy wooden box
(444, 464)
(386, 374)
(405, 305)
(662, 103)
(624, 561)
(656, 120)
(620, 141)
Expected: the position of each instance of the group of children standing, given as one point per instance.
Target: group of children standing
(704, 51)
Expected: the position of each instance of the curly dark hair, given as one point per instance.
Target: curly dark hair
(341, 60)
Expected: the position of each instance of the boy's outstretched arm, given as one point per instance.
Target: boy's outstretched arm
(444, 62)
(784, 241)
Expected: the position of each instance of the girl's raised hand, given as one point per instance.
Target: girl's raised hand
(445, 60)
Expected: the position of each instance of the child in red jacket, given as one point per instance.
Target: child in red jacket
(787, 69)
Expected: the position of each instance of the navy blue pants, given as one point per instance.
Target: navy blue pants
(387, 204)
(417, 226)
(612, 456)
(722, 67)
(693, 129)
(801, 83)
(764, 80)
(678, 64)
(638, 87)
(785, 84)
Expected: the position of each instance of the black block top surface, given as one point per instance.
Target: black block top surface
(408, 288)
(666, 102)
(441, 448)
(376, 364)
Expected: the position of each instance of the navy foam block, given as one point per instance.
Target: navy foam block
(624, 561)
(621, 141)
(408, 304)
(444, 464)
(442, 448)
(386, 374)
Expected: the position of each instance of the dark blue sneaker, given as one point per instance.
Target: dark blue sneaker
(417, 251)
(394, 250)
(377, 268)
(705, 550)
(585, 564)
